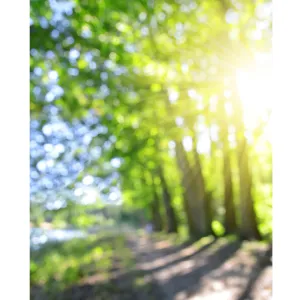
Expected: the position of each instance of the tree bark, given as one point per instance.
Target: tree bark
(204, 196)
(248, 225)
(171, 220)
(193, 196)
(230, 222)
(155, 210)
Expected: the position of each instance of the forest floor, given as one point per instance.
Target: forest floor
(164, 269)
(208, 269)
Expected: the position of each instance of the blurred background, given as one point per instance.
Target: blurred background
(151, 153)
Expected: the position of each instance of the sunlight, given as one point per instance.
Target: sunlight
(254, 88)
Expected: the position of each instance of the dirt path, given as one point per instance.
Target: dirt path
(211, 270)
(156, 268)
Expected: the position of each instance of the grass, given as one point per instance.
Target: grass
(59, 265)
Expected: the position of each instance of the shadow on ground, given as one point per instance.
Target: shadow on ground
(180, 272)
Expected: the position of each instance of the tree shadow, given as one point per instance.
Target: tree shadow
(263, 262)
(253, 278)
(162, 254)
(239, 277)
(170, 250)
(191, 282)
(182, 258)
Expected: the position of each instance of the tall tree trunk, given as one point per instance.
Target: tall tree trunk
(155, 211)
(230, 222)
(209, 211)
(204, 196)
(171, 222)
(213, 147)
(248, 226)
(194, 204)
(193, 182)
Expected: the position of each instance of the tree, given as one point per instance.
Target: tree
(122, 76)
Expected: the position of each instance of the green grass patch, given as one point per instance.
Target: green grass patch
(58, 265)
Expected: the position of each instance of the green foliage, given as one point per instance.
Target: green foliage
(66, 263)
(218, 228)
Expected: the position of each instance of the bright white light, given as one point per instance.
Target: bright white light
(232, 17)
(90, 196)
(41, 165)
(187, 143)
(203, 145)
(115, 197)
(78, 192)
(47, 130)
(116, 163)
(173, 96)
(255, 90)
(53, 76)
(179, 121)
(88, 180)
(50, 163)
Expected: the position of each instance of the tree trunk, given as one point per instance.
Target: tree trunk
(205, 198)
(171, 222)
(193, 196)
(248, 226)
(230, 223)
(209, 211)
(155, 210)
(230, 217)
(193, 185)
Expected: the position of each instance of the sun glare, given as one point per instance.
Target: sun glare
(254, 88)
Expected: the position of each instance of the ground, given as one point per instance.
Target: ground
(210, 269)
(162, 268)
